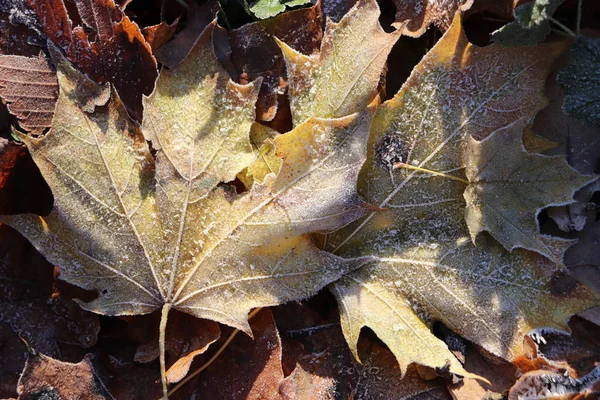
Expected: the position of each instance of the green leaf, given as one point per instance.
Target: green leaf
(531, 25)
(264, 9)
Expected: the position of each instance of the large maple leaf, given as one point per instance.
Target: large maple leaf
(167, 231)
(428, 269)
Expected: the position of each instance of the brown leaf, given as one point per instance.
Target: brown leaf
(12, 359)
(16, 38)
(30, 87)
(255, 53)
(247, 369)
(28, 305)
(198, 18)
(159, 34)
(422, 13)
(187, 338)
(501, 374)
(9, 154)
(324, 368)
(545, 385)
(115, 51)
(45, 377)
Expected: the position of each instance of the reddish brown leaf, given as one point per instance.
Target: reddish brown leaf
(115, 51)
(545, 385)
(45, 377)
(9, 154)
(188, 337)
(255, 53)
(30, 87)
(336, 9)
(247, 369)
(157, 35)
(500, 373)
(198, 18)
(421, 13)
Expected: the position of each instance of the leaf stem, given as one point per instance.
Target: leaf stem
(213, 358)
(161, 348)
(413, 167)
(561, 26)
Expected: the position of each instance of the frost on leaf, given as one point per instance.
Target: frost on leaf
(531, 25)
(422, 13)
(342, 78)
(581, 81)
(509, 186)
(145, 230)
(427, 268)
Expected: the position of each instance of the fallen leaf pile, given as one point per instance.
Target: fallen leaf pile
(233, 200)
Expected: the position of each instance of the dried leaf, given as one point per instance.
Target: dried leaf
(30, 87)
(255, 53)
(116, 52)
(540, 384)
(159, 34)
(585, 251)
(508, 187)
(323, 367)
(247, 369)
(531, 25)
(9, 154)
(422, 13)
(147, 232)
(427, 268)
(198, 18)
(581, 81)
(45, 377)
(342, 78)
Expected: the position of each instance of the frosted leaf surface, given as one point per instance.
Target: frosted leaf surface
(148, 230)
(342, 78)
(581, 81)
(421, 13)
(509, 186)
(531, 24)
(427, 267)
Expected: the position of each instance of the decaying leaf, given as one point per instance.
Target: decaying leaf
(247, 369)
(29, 85)
(148, 232)
(47, 378)
(422, 13)
(544, 385)
(427, 268)
(581, 81)
(198, 18)
(116, 52)
(508, 187)
(531, 25)
(255, 53)
(10, 152)
(342, 78)
(585, 251)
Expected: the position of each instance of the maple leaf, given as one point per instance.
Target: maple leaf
(509, 186)
(342, 78)
(167, 232)
(422, 13)
(428, 269)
